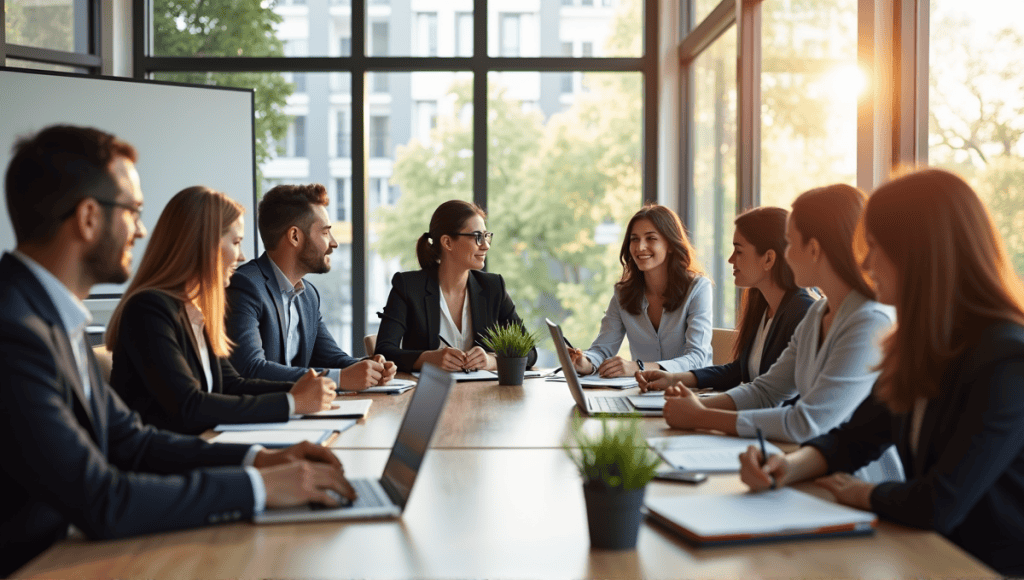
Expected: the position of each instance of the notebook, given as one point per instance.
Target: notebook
(590, 404)
(386, 497)
(781, 514)
(709, 453)
(597, 382)
(394, 387)
(274, 438)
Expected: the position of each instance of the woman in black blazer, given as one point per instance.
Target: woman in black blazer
(949, 393)
(449, 297)
(773, 306)
(167, 334)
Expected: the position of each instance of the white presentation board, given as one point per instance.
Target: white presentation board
(185, 135)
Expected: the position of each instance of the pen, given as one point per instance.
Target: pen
(567, 343)
(764, 455)
(448, 344)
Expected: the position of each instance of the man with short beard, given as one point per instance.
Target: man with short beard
(73, 452)
(274, 313)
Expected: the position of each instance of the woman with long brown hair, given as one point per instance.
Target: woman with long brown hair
(830, 360)
(773, 306)
(949, 395)
(167, 334)
(662, 303)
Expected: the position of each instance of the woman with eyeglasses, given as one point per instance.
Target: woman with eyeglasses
(438, 314)
(662, 303)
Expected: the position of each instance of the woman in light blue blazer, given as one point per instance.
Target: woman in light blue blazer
(830, 361)
(662, 303)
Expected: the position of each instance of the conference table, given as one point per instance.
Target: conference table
(496, 497)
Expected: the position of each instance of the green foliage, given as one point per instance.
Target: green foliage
(510, 340)
(42, 24)
(617, 458)
(228, 28)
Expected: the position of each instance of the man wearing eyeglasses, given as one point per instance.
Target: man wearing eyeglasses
(274, 312)
(73, 452)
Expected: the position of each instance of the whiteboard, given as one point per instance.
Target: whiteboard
(184, 134)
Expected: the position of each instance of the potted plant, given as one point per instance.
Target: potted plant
(511, 345)
(616, 466)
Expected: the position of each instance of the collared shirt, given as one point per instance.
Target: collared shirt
(449, 331)
(757, 349)
(198, 322)
(74, 316)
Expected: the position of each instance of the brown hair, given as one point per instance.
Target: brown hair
(51, 172)
(183, 260)
(955, 278)
(830, 215)
(765, 229)
(448, 219)
(285, 206)
(682, 267)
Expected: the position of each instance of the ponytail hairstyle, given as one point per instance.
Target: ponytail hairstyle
(183, 260)
(830, 215)
(765, 229)
(683, 268)
(448, 219)
(954, 279)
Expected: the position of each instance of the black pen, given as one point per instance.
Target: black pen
(764, 455)
(567, 343)
(446, 343)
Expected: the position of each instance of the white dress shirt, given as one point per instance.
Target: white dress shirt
(449, 331)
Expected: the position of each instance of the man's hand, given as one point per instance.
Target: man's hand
(364, 374)
(313, 393)
(304, 451)
(389, 369)
(617, 366)
(301, 482)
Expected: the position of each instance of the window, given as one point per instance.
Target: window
(426, 119)
(426, 34)
(63, 28)
(463, 34)
(298, 140)
(342, 199)
(379, 136)
(587, 48)
(344, 133)
(379, 32)
(345, 46)
(510, 35)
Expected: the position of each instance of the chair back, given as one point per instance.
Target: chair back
(105, 359)
(722, 341)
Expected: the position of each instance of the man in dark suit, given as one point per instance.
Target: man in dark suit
(73, 453)
(274, 312)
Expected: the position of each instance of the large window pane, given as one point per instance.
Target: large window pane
(16, 63)
(531, 28)
(250, 28)
(704, 7)
(976, 105)
(419, 136)
(305, 138)
(564, 176)
(714, 170)
(809, 89)
(429, 28)
(54, 24)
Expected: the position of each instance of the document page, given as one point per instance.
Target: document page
(711, 453)
(294, 425)
(349, 408)
(272, 438)
(394, 387)
(596, 381)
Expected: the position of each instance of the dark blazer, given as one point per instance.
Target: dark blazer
(66, 461)
(157, 371)
(966, 480)
(792, 309)
(411, 321)
(255, 324)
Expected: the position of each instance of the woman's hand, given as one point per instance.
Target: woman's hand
(580, 362)
(760, 477)
(477, 358)
(848, 489)
(658, 380)
(682, 408)
(617, 366)
(447, 358)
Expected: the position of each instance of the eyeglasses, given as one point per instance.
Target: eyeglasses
(135, 210)
(481, 237)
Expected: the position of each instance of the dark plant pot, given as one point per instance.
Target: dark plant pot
(613, 516)
(511, 370)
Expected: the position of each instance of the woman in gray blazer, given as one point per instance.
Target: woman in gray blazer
(831, 358)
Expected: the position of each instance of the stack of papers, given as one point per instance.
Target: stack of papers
(596, 381)
(710, 453)
(347, 408)
(745, 517)
(394, 387)
(274, 438)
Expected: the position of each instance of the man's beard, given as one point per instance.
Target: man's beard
(103, 261)
(313, 261)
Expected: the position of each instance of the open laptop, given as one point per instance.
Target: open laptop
(386, 497)
(612, 405)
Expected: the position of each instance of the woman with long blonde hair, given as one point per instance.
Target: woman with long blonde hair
(167, 334)
(949, 395)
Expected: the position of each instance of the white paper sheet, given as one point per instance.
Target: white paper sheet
(711, 453)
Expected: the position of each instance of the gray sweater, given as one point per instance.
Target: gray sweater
(831, 380)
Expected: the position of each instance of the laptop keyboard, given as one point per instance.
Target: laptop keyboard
(367, 494)
(610, 405)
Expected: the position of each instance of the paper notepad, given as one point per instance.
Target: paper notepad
(293, 425)
(270, 438)
(595, 381)
(340, 408)
(711, 453)
(745, 517)
(394, 387)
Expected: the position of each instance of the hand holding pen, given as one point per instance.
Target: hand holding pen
(759, 471)
(452, 359)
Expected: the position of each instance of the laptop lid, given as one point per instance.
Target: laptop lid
(418, 426)
(568, 371)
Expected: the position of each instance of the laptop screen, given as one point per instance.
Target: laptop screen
(414, 435)
(568, 371)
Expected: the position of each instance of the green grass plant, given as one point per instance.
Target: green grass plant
(616, 458)
(510, 340)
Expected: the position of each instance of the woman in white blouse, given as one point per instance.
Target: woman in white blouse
(662, 303)
(831, 360)
(167, 334)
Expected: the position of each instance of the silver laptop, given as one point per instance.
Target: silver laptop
(611, 405)
(386, 497)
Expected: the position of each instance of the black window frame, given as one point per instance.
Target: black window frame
(88, 36)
